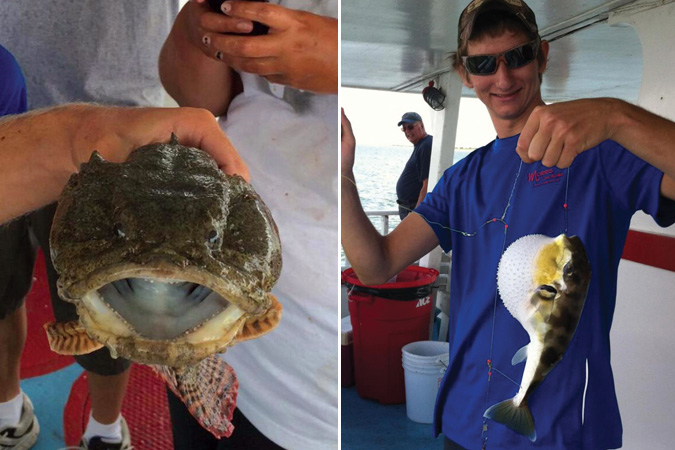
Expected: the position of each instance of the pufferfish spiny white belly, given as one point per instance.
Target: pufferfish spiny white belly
(543, 283)
(168, 261)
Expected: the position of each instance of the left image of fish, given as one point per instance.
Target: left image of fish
(168, 261)
(543, 282)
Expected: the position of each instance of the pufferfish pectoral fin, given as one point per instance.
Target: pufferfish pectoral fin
(520, 356)
(208, 390)
(258, 326)
(70, 338)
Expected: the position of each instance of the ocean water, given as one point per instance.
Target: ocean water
(376, 170)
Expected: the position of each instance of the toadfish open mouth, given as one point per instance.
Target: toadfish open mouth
(160, 309)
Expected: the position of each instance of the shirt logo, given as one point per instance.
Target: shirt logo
(540, 178)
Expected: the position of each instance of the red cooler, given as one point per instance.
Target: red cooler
(384, 319)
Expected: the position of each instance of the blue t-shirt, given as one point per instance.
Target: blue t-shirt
(602, 189)
(415, 172)
(12, 85)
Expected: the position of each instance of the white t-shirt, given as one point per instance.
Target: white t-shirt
(288, 378)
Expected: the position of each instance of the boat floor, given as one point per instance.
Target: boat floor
(368, 424)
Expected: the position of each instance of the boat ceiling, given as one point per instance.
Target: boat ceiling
(398, 45)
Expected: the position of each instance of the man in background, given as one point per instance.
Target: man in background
(412, 184)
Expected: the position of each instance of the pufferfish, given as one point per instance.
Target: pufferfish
(543, 282)
(168, 261)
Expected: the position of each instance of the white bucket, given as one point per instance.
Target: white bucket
(424, 364)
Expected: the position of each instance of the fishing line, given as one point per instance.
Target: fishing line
(567, 189)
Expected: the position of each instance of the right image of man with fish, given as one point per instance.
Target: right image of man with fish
(534, 273)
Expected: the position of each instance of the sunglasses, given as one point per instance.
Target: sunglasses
(514, 58)
(408, 127)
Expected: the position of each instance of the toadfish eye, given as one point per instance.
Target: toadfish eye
(212, 236)
(117, 229)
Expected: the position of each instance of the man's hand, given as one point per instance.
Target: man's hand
(56, 141)
(301, 49)
(556, 134)
(115, 132)
(347, 146)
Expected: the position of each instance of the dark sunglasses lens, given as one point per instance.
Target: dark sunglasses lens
(481, 64)
(520, 56)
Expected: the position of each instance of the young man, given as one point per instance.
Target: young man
(412, 184)
(605, 160)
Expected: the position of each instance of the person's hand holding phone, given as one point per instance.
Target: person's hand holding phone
(300, 50)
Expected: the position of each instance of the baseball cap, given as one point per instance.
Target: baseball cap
(410, 117)
(518, 8)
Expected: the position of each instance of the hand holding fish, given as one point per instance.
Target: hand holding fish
(300, 49)
(555, 134)
(56, 141)
(116, 132)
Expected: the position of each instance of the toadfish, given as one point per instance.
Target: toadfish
(543, 283)
(168, 261)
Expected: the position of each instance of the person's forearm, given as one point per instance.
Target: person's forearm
(40, 150)
(423, 192)
(649, 137)
(361, 242)
(36, 158)
(192, 78)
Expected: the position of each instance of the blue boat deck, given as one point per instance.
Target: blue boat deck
(49, 394)
(368, 425)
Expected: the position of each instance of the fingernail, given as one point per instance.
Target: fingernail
(244, 26)
(219, 55)
(206, 40)
(226, 7)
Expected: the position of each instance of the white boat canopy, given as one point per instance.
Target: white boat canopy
(403, 44)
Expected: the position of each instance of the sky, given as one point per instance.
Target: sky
(374, 115)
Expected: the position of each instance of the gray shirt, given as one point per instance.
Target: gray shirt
(88, 50)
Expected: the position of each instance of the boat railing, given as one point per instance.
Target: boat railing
(383, 220)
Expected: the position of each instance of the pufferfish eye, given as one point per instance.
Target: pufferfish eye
(568, 270)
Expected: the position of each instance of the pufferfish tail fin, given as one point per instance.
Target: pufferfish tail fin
(517, 418)
(208, 390)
